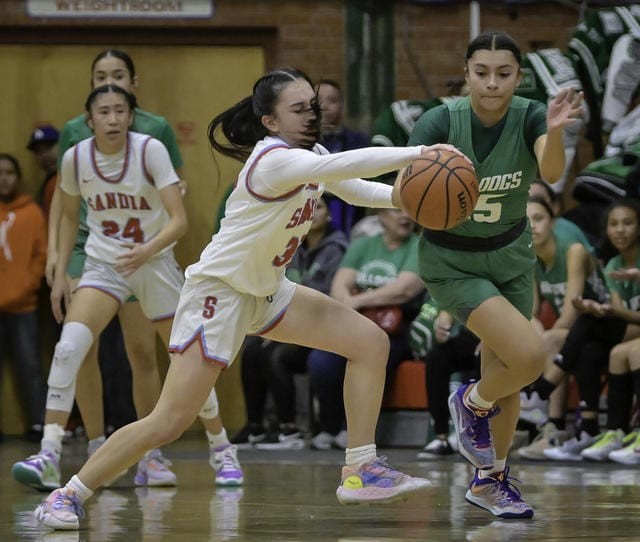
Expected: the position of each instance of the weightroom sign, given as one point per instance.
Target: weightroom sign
(161, 9)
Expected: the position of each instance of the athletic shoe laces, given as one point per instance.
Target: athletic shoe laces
(480, 432)
(62, 501)
(379, 473)
(228, 459)
(509, 493)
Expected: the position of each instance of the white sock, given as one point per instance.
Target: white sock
(218, 441)
(81, 491)
(52, 435)
(94, 444)
(354, 457)
(474, 398)
(498, 466)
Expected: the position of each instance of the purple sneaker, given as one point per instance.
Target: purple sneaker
(472, 430)
(61, 510)
(224, 462)
(41, 471)
(153, 471)
(498, 495)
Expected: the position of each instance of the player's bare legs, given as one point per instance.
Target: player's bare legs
(331, 325)
(140, 343)
(317, 321)
(486, 413)
(172, 415)
(86, 318)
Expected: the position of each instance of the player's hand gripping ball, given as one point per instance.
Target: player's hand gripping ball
(439, 190)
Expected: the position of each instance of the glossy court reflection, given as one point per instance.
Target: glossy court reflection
(291, 496)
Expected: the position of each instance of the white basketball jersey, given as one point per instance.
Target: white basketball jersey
(258, 235)
(121, 192)
(270, 210)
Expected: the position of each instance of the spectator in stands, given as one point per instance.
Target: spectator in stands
(565, 269)
(43, 142)
(453, 348)
(623, 273)
(562, 227)
(336, 137)
(378, 272)
(533, 410)
(600, 325)
(269, 366)
(624, 377)
(23, 251)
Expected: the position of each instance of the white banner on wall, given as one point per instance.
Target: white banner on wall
(120, 8)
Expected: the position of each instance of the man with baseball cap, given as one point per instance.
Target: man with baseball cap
(43, 142)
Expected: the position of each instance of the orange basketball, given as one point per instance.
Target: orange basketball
(439, 190)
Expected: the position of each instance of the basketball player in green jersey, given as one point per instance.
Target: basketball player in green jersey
(482, 270)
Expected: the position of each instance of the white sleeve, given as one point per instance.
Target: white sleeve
(158, 163)
(364, 193)
(284, 169)
(68, 180)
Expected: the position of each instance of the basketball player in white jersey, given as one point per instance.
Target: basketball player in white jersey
(238, 288)
(135, 216)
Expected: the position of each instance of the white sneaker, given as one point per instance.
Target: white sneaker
(549, 437)
(604, 445)
(570, 450)
(533, 409)
(340, 440)
(326, 441)
(224, 461)
(629, 454)
(282, 441)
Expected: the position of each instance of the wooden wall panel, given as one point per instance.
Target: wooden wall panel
(187, 84)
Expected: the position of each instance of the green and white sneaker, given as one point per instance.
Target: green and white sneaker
(605, 444)
(629, 454)
(41, 471)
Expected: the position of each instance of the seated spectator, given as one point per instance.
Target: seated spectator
(624, 385)
(269, 366)
(378, 272)
(601, 325)
(23, 251)
(565, 269)
(562, 227)
(452, 348)
(336, 137)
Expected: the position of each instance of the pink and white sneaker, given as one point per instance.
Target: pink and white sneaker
(61, 510)
(377, 482)
(153, 471)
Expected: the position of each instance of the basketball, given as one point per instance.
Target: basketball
(439, 190)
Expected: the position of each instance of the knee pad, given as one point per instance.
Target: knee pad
(210, 408)
(75, 341)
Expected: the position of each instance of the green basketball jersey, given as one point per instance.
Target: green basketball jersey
(504, 175)
(552, 281)
(570, 232)
(629, 290)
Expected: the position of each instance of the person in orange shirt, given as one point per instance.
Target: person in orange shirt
(23, 252)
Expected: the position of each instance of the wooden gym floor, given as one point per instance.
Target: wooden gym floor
(290, 496)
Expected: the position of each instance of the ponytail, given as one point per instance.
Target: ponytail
(242, 123)
(242, 128)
